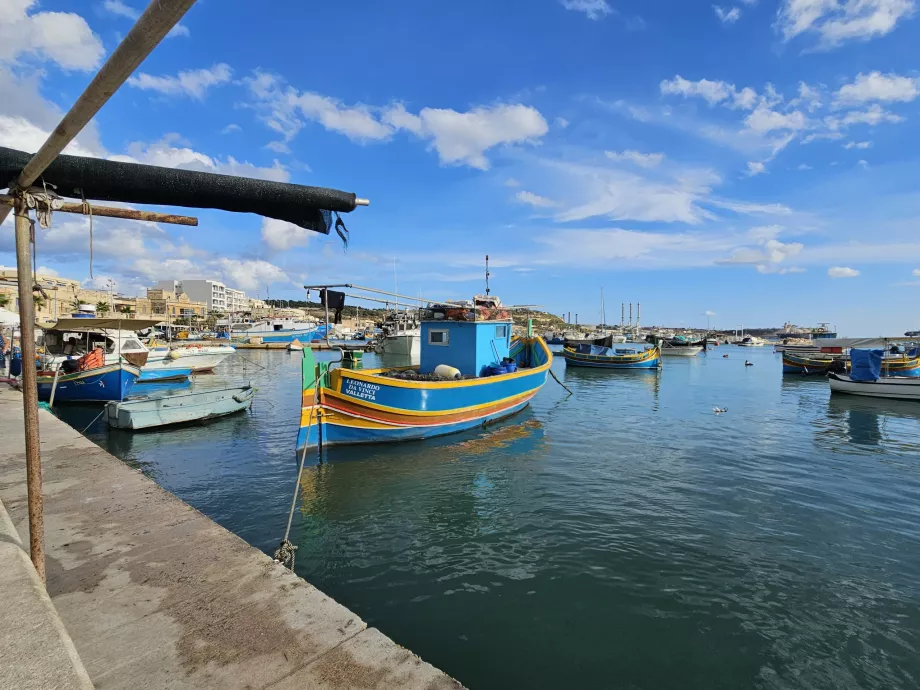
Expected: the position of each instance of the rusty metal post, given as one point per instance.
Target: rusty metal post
(30, 388)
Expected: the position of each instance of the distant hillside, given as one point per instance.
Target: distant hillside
(542, 320)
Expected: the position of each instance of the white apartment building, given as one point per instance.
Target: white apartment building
(215, 294)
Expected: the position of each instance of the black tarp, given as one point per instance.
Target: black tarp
(135, 183)
(333, 300)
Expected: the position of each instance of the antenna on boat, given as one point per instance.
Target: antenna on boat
(487, 275)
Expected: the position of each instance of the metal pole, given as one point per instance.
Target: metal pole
(30, 389)
(157, 20)
(326, 301)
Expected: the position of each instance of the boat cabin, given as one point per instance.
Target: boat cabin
(472, 340)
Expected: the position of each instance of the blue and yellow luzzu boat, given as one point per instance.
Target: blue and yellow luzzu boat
(815, 364)
(99, 384)
(384, 405)
(612, 358)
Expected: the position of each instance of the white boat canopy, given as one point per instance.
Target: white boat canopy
(96, 324)
(8, 318)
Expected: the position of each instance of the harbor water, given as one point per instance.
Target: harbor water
(625, 536)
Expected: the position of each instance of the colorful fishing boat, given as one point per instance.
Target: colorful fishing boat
(471, 373)
(870, 376)
(97, 384)
(612, 358)
(894, 364)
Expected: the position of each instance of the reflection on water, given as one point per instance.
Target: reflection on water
(625, 536)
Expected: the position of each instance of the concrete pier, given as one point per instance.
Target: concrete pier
(156, 595)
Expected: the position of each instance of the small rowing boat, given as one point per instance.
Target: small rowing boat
(178, 408)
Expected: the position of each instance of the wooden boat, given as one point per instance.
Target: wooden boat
(180, 408)
(498, 378)
(894, 387)
(612, 358)
(92, 384)
(670, 350)
(818, 364)
(163, 375)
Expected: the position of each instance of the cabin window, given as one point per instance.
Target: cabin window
(131, 345)
(501, 332)
(438, 337)
(278, 326)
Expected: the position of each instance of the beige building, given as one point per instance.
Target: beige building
(176, 305)
(65, 296)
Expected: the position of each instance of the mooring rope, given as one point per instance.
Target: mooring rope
(285, 552)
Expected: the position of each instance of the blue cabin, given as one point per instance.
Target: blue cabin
(470, 346)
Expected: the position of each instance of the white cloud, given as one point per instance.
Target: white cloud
(876, 86)
(192, 83)
(164, 153)
(231, 128)
(644, 160)
(916, 272)
(561, 122)
(764, 120)
(709, 312)
(594, 9)
(862, 163)
(713, 92)
(280, 236)
(838, 21)
(804, 166)
(61, 37)
(842, 272)
(120, 9)
(463, 138)
(534, 200)
(768, 251)
(762, 233)
(809, 96)
(512, 182)
(874, 115)
(727, 16)
(755, 168)
(460, 138)
(751, 208)
(858, 145)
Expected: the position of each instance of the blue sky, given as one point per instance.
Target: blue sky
(755, 159)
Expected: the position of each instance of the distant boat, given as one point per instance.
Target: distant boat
(599, 357)
(751, 341)
(279, 331)
(193, 406)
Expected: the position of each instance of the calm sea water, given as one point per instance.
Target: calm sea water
(622, 537)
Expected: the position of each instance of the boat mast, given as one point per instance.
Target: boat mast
(487, 275)
(603, 312)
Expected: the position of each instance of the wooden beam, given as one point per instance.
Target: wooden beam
(115, 212)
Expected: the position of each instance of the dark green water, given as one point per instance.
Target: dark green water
(625, 537)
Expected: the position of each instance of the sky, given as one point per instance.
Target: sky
(745, 163)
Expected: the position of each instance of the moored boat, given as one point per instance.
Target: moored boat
(92, 384)
(180, 408)
(600, 357)
(471, 373)
(893, 387)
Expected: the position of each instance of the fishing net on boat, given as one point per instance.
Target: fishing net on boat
(78, 177)
(413, 375)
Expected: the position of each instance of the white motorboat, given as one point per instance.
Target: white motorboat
(668, 350)
(198, 358)
(892, 387)
(179, 408)
(408, 342)
(751, 341)
(280, 330)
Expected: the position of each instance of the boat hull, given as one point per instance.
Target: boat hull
(895, 388)
(103, 384)
(302, 334)
(364, 407)
(691, 351)
(895, 365)
(401, 344)
(177, 409)
(163, 375)
(648, 359)
(197, 359)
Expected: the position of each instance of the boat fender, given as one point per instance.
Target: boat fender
(173, 354)
(446, 371)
